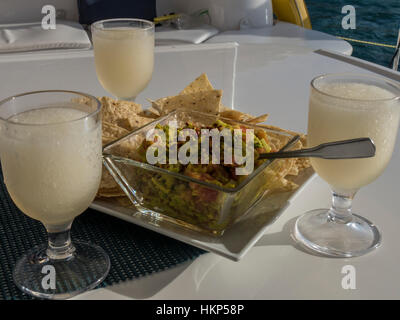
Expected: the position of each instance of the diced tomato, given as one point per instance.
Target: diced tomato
(208, 195)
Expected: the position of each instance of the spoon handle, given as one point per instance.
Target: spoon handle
(345, 149)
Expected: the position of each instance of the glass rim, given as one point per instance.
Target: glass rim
(355, 75)
(14, 97)
(96, 25)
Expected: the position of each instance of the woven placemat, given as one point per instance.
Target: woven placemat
(133, 251)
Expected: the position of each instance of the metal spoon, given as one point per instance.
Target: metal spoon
(345, 149)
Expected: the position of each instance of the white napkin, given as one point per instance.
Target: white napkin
(169, 35)
(31, 36)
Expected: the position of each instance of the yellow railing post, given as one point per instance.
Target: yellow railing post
(293, 11)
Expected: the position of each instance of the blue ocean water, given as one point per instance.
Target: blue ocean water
(376, 21)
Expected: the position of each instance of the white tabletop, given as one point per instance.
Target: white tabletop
(276, 268)
(283, 33)
(275, 79)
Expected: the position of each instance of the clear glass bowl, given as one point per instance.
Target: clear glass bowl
(179, 198)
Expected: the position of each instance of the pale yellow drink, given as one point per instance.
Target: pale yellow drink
(124, 59)
(51, 171)
(333, 119)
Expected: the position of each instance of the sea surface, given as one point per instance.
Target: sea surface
(376, 21)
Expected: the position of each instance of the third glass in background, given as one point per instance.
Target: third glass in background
(124, 55)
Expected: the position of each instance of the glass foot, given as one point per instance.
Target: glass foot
(41, 277)
(318, 233)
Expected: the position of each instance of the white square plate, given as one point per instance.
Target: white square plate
(235, 242)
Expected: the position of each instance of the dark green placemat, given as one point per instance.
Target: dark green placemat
(133, 251)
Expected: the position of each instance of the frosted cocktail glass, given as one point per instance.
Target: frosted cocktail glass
(124, 55)
(345, 106)
(50, 150)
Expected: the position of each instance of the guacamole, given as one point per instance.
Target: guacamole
(192, 202)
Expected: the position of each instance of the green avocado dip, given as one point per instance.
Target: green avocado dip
(190, 201)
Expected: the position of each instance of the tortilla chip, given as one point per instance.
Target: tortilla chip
(297, 164)
(110, 193)
(258, 119)
(201, 83)
(284, 167)
(156, 105)
(223, 108)
(241, 116)
(303, 137)
(108, 187)
(203, 101)
(150, 113)
(112, 132)
(277, 141)
(275, 182)
(119, 112)
(294, 170)
(235, 115)
(127, 149)
(124, 202)
(303, 163)
(134, 122)
(106, 140)
(286, 186)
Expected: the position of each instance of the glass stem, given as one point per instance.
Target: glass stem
(59, 243)
(340, 211)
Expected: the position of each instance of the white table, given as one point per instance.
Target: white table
(275, 79)
(281, 33)
(285, 34)
(275, 268)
